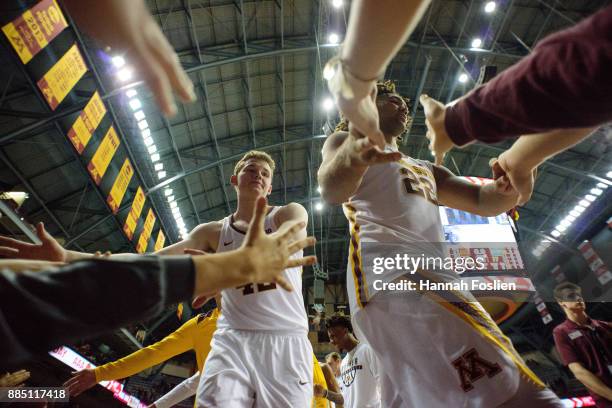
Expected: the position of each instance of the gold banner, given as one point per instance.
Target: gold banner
(161, 240)
(86, 124)
(103, 156)
(62, 77)
(35, 28)
(132, 219)
(143, 241)
(120, 185)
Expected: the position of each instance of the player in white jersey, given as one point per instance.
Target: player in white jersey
(359, 369)
(437, 349)
(260, 353)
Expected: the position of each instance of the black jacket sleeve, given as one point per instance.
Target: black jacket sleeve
(42, 310)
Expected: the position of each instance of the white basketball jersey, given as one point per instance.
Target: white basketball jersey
(261, 306)
(359, 378)
(396, 203)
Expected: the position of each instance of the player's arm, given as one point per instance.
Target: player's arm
(590, 380)
(181, 392)
(489, 200)
(333, 391)
(290, 213)
(346, 157)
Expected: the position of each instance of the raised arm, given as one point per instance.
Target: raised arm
(489, 200)
(346, 157)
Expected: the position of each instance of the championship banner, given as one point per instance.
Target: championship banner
(132, 219)
(62, 77)
(161, 239)
(596, 264)
(143, 241)
(541, 307)
(557, 274)
(86, 124)
(34, 29)
(120, 185)
(103, 156)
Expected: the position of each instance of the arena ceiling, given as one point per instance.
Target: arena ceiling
(257, 67)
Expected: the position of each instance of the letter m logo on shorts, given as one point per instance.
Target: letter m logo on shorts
(471, 367)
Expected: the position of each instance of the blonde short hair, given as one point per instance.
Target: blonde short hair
(257, 155)
(333, 356)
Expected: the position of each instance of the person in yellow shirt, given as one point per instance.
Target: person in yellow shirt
(195, 334)
(325, 387)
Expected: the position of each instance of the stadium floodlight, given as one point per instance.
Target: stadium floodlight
(171, 198)
(555, 233)
(152, 149)
(337, 3)
(584, 203)
(476, 43)
(319, 206)
(130, 93)
(118, 61)
(143, 124)
(333, 38)
(463, 78)
(570, 218)
(159, 166)
(328, 104)
(561, 228)
(575, 213)
(148, 141)
(135, 104)
(590, 197)
(168, 192)
(139, 115)
(124, 74)
(161, 174)
(490, 7)
(603, 186)
(596, 191)
(155, 157)
(146, 132)
(173, 204)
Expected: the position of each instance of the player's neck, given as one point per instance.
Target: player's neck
(244, 209)
(579, 317)
(351, 343)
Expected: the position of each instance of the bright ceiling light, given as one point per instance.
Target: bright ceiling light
(173, 204)
(565, 223)
(155, 157)
(152, 149)
(602, 185)
(476, 43)
(118, 61)
(609, 174)
(143, 124)
(125, 74)
(579, 209)
(168, 192)
(180, 223)
(148, 141)
(140, 115)
(130, 93)
(135, 104)
(159, 166)
(561, 228)
(319, 206)
(570, 218)
(555, 233)
(596, 191)
(575, 213)
(328, 104)
(171, 198)
(590, 197)
(161, 174)
(584, 203)
(146, 132)
(463, 78)
(328, 73)
(490, 7)
(319, 189)
(333, 38)
(337, 3)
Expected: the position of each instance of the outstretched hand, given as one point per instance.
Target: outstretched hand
(80, 381)
(365, 153)
(522, 180)
(439, 141)
(48, 250)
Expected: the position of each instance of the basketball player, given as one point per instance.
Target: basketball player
(435, 350)
(263, 329)
(359, 370)
(331, 370)
(334, 359)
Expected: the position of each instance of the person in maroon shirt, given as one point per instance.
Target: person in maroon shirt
(585, 344)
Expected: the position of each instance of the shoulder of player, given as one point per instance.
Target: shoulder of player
(206, 235)
(334, 140)
(290, 212)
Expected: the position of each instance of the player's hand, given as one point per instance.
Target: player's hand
(356, 100)
(521, 179)
(80, 381)
(15, 379)
(439, 141)
(267, 255)
(319, 391)
(48, 250)
(364, 153)
(199, 300)
(128, 28)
